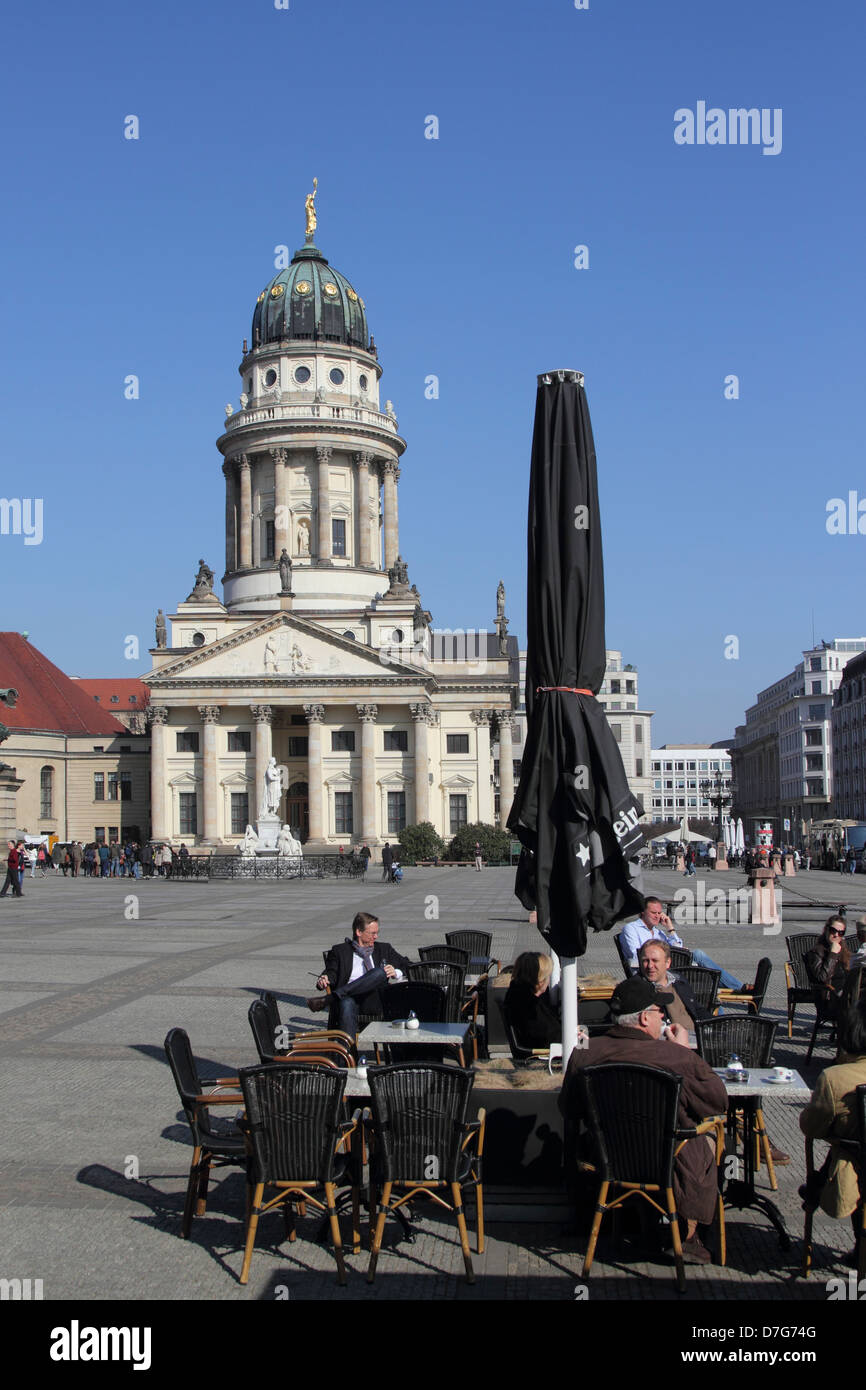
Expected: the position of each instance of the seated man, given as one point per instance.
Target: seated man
(637, 1037)
(356, 970)
(655, 925)
(654, 958)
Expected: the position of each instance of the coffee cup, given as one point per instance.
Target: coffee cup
(782, 1073)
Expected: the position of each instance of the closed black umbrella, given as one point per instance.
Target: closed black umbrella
(573, 813)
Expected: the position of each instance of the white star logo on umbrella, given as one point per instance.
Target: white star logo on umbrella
(583, 855)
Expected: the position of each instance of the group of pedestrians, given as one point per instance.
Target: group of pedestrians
(94, 860)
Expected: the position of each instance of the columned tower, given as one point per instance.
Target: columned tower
(310, 453)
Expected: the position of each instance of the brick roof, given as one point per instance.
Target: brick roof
(47, 697)
(131, 694)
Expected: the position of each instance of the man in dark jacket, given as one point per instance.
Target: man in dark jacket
(387, 861)
(355, 971)
(637, 1037)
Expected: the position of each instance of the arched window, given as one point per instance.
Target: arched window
(46, 793)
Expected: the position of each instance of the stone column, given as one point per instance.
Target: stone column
(506, 765)
(231, 546)
(315, 718)
(158, 717)
(323, 458)
(263, 715)
(210, 717)
(365, 522)
(282, 535)
(420, 715)
(481, 719)
(367, 715)
(246, 515)
(391, 474)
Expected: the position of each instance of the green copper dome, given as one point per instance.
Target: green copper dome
(310, 301)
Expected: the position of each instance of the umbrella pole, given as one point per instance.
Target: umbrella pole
(569, 1008)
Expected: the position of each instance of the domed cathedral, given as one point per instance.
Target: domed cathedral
(321, 654)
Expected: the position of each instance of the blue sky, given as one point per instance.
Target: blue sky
(555, 130)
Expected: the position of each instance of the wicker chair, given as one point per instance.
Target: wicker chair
(631, 1113)
(421, 1143)
(479, 944)
(215, 1144)
(275, 1041)
(752, 1039)
(751, 995)
(623, 958)
(680, 958)
(455, 954)
(428, 1003)
(854, 1149)
(703, 983)
(800, 989)
(300, 1145)
(450, 977)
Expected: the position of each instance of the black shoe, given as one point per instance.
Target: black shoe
(318, 1003)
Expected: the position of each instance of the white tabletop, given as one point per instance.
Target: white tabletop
(382, 1032)
(760, 1083)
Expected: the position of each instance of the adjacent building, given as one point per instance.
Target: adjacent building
(81, 774)
(848, 725)
(679, 771)
(783, 756)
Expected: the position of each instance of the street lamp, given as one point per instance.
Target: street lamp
(715, 790)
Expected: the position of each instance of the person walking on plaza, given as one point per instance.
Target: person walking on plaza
(711, 855)
(365, 859)
(387, 861)
(479, 858)
(77, 855)
(11, 872)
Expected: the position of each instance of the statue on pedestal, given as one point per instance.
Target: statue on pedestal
(161, 636)
(273, 788)
(203, 587)
(249, 844)
(500, 600)
(287, 846)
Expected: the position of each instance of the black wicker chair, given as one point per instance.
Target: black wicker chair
(421, 1143)
(455, 954)
(800, 989)
(680, 958)
(428, 1003)
(855, 1149)
(703, 983)
(300, 1145)
(451, 978)
(216, 1144)
(752, 1039)
(751, 995)
(801, 943)
(479, 944)
(276, 1042)
(631, 1114)
(623, 958)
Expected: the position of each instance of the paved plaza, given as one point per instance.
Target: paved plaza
(93, 1168)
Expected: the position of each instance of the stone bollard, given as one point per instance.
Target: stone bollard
(763, 885)
(721, 859)
(790, 871)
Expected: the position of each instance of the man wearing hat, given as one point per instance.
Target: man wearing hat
(641, 1035)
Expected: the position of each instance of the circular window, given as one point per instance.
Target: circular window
(277, 291)
(336, 376)
(397, 635)
(198, 639)
(303, 287)
(349, 636)
(270, 377)
(362, 382)
(302, 374)
(331, 290)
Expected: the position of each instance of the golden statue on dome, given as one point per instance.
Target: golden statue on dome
(310, 205)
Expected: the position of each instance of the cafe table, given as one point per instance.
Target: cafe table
(760, 1085)
(380, 1033)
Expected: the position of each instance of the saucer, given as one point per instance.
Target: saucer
(778, 1080)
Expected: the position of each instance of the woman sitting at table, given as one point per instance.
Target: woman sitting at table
(827, 966)
(528, 1005)
(832, 1114)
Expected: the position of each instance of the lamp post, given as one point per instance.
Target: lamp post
(715, 790)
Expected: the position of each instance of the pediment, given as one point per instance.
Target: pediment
(283, 647)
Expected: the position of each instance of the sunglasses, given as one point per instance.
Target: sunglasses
(833, 932)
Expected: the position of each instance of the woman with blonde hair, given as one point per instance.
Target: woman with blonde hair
(528, 1005)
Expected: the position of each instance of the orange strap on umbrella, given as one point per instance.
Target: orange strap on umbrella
(569, 689)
